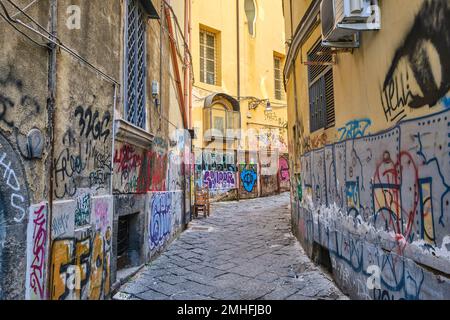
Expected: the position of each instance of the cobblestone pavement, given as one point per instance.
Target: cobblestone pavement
(244, 251)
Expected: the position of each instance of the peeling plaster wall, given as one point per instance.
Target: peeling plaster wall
(72, 236)
(23, 101)
(151, 180)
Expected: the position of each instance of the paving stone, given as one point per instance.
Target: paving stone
(133, 288)
(249, 254)
(152, 295)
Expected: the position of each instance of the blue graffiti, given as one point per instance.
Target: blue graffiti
(354, 129)
(434, 161)
(249, 178)
(161, 219)
(446, 102)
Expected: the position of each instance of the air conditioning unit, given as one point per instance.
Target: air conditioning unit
(343, 19)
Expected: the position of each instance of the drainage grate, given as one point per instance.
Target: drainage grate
(207, 229)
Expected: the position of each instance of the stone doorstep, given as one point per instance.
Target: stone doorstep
(122, 279)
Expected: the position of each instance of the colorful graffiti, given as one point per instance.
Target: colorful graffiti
(284, 169)
(83, 210)
(219, 179)
(81, 258)
(213, 160)
(396, 182)
(37, 239)
(160, 226)
(140, 171)
(249, 177)
(81, 268)
(354, 129)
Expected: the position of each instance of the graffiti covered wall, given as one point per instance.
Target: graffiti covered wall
(216, 170)
(383, 200)
(372, 186)
(81, 257)
(283, 173)
(248, 175)
(165, 219)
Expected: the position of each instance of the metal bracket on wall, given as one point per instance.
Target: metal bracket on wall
(321, 63)
(332, 52)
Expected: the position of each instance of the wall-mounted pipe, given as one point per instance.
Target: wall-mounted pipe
(51, 101)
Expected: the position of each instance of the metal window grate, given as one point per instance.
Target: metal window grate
(135, 66)
(329, 98)
(208, 57)
(321, 90)
(318, 54)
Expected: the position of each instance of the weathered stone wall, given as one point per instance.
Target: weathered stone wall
(151, 175)
(65, 227)
(24, 149)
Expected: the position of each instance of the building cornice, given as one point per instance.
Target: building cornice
(128, 133)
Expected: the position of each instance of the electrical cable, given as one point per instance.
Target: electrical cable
(23, 33)
(24, 8)
(57, 43)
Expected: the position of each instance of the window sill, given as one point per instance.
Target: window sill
(129, 133)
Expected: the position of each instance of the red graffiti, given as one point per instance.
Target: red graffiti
(127, 159)
(390, 211)
(38, 264)
(159, 169)
(141, 173)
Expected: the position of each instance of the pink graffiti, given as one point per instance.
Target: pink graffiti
(387, 180)
(284, 170)
(39, 241)
(101, 215)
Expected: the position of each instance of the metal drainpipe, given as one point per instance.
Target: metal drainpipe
(186, 65)
(186, 109)
(295, 92)
(51, 123)
(159, 106)
(238, 52)
(191, 155)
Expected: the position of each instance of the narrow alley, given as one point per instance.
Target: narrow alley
(244, 250)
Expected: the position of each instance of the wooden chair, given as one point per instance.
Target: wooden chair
(202, 202)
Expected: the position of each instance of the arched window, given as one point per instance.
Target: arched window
(250, 11)
(221, 117)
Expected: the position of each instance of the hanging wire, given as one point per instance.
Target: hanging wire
(24, 8)
(23, 33)
(50, 37)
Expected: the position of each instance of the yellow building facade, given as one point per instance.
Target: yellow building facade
(239, 108)
(369, 144)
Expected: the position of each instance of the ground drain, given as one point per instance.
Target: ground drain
(206, 229)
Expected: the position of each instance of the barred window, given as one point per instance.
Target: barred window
(135, 65)
(208, 57)
(278, 79)
(321, 89)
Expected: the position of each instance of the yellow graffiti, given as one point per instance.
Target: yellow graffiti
(61, 258)
(82, 262)
(97, 261)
